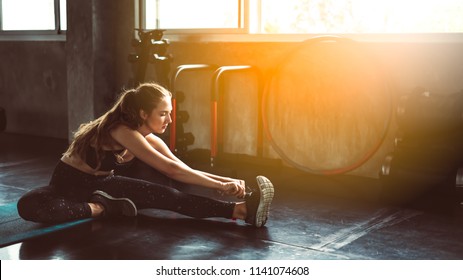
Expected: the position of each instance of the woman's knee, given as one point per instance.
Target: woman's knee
(30, 204)
(26, 207)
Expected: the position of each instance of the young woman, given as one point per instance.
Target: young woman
(97, 175)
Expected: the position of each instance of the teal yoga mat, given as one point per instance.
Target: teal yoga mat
(13, 229)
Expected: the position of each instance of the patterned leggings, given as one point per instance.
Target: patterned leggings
(70, 189)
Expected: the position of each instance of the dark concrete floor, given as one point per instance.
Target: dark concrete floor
(312, 217)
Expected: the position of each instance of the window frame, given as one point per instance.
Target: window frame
(56, 34)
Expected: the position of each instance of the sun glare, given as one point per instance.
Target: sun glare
(361, 16)
(311, 16)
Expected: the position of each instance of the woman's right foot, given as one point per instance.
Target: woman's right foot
(114, 207)
(258, 202)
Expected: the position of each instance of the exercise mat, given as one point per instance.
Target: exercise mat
(13, 229)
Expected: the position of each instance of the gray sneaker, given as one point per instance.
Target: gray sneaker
(258, 202)
(114, 207)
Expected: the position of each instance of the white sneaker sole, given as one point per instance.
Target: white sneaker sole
(266, 196)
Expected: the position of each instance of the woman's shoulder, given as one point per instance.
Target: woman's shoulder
(120, 127)
(122, 130)
(124, 135)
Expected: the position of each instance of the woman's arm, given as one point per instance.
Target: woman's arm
(161, 146)
(141, 148)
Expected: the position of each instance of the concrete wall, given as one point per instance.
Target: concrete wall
(33, 87)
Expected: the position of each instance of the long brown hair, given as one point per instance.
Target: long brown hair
(125, 111)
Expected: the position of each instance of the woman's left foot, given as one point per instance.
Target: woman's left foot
(114, 206)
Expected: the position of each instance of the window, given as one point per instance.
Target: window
(305, 16)
(188, 14)
(33, 15)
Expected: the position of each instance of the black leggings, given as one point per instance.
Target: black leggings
(67, 196)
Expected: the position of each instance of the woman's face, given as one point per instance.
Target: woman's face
(159, 118)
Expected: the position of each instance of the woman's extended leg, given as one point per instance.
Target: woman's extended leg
(151, 195)
(145, 194)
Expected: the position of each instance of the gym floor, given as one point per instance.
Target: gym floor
(346, 220)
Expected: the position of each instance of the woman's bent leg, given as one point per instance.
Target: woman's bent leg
(44, 205)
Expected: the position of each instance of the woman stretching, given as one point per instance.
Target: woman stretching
(98, 175)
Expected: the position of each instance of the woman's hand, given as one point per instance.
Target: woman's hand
(241, 183)
(234, 188)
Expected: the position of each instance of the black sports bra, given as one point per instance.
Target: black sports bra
(108, 162)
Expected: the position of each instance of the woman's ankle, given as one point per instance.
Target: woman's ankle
(240, 210)
(96, 208)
